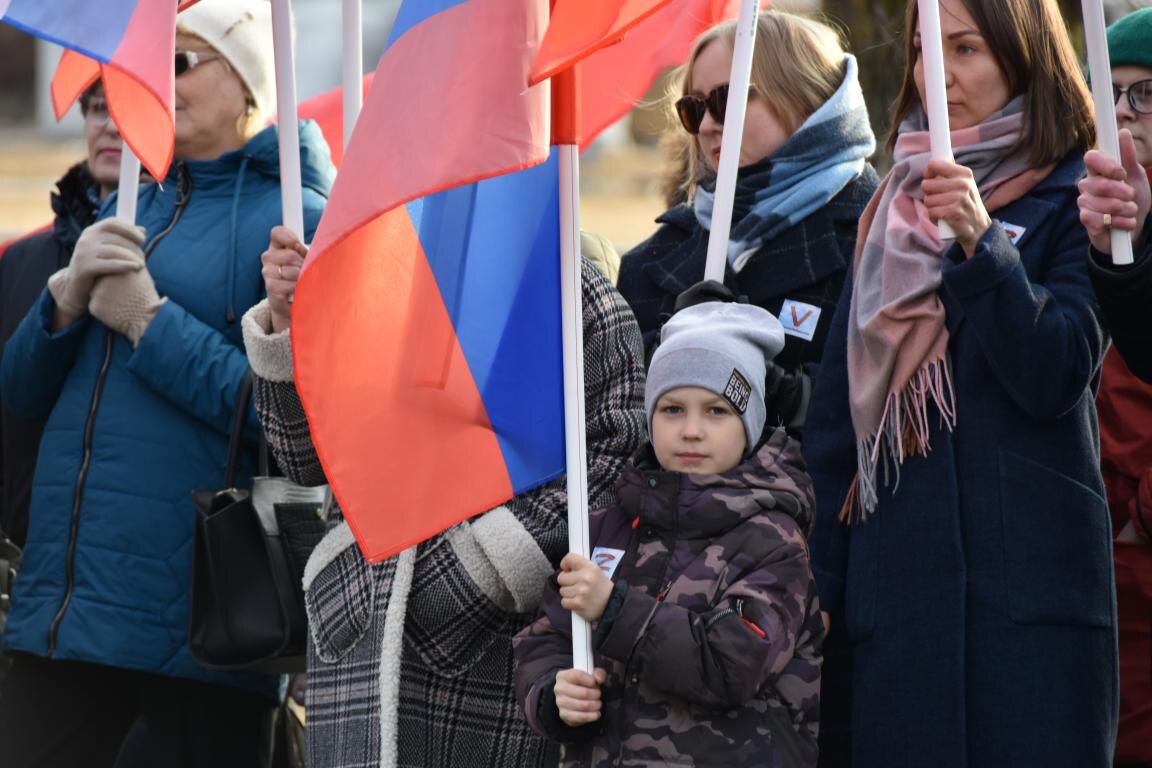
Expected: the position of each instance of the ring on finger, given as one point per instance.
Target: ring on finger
(1107, 221)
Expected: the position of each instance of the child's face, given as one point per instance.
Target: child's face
(696, 431)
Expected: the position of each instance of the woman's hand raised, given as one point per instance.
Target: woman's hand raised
(950, 195)
(1113, 195)
(282, 263)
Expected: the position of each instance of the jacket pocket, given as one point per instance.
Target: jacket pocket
(341, 599)
(451, 623)
(1057, 554)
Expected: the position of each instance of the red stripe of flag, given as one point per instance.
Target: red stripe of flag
(395, 406)
(139, 83)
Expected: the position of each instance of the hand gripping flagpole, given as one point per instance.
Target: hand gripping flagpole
(1107, 135)
(730, 142)
(351, 65)
(566, 135)
(932, 55)
(291, 194)
(129, 190)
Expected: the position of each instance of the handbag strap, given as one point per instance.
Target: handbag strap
(239, 416)
(235, 441)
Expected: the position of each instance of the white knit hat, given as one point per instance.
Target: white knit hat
(241, 32)
(721, 347)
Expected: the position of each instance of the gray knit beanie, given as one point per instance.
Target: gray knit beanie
(721, 347)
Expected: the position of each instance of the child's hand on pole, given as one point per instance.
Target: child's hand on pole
(578, 695)
(584, 589)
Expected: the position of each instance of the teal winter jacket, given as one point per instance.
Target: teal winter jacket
(131, 433)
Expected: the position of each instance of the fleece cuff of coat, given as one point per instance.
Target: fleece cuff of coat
(994, 261)
(269, 354)
(503, 559)
(629, 625)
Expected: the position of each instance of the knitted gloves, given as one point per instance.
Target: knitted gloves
(108, 247)
(126, 303)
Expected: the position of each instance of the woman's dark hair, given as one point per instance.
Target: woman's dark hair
(1031, 45)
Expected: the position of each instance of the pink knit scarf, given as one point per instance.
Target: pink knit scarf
(898, 357)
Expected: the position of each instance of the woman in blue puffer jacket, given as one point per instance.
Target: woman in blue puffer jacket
(134, 355)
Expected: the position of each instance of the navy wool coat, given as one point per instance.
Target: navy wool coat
(805, 263)
(979, 596)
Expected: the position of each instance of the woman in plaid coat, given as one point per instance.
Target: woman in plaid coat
(410, 662)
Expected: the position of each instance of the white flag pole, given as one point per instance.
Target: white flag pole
(932, 54)
(738, 82)
(351, 65)
(566, 130)
(1107, 135)
(291, 194)
(129, 190)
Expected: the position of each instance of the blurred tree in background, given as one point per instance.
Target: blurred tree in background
(874, 30)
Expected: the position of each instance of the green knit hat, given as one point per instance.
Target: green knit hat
(1130, 40)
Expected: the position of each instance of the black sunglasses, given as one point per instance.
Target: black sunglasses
(691, 108)
(186, 60)
(1139, 96)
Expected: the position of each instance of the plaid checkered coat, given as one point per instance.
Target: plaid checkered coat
(445, 676)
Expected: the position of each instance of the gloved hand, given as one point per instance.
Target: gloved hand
(126, 303)
(786, 396)
(705, 291)
(108, 247)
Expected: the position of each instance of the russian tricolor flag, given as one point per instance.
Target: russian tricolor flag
(130, 43)
(426, 326)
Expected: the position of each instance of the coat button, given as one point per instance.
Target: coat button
(649, 532)
(651, 482)
(635, 679)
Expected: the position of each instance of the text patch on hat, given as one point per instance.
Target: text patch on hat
(738, 391)
(607, 559)
(799, 319)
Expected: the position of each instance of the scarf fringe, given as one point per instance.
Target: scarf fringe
(904, 431)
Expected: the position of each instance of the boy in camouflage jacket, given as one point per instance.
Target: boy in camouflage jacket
(706, 626)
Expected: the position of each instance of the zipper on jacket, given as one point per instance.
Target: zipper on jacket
(184, 191)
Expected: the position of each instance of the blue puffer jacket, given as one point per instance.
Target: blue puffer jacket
(131, 433)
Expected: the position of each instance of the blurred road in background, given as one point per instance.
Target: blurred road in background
(618, 200)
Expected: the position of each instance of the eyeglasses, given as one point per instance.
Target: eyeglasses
(95, 111)
(691, 108)
(1139, 96)
(186, 60)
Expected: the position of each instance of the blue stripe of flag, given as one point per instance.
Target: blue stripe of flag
(92, 28)
(414, 12)
(494, 248)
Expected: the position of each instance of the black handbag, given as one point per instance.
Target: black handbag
(247, 607)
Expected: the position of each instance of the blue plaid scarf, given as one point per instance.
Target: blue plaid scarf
(809, 169)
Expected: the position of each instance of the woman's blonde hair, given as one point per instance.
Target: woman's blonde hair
(797, 65)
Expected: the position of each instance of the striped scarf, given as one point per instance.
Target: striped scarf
(898, 358)
(800, 177)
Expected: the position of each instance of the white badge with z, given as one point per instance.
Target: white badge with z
(607, 559)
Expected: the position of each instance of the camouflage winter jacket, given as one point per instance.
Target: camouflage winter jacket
(712, 636)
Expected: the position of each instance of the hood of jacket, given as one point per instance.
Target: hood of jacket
(261, 154)
(75, 201)
(775, 478)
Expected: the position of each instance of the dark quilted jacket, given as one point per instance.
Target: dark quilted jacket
(713, 656)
